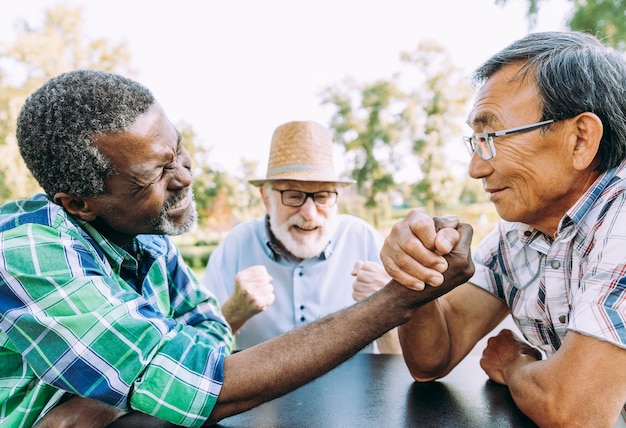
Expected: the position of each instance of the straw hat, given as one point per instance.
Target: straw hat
(301, 151)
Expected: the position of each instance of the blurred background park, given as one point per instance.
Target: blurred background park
(389, 78)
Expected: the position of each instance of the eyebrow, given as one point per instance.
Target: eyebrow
(484, 119)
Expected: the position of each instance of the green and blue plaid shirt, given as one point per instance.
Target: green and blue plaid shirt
(80, 315)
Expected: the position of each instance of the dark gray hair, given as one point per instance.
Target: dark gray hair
(58, 123)
(575, 73)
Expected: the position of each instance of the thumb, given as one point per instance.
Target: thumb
(358, 265)
(446, 239)
(466, 232)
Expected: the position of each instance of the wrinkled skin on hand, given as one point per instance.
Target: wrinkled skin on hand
(422, 250)
(254, 291)
(502, 351)
(253, 294)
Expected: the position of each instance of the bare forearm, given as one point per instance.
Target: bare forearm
(550, 402)
(289, 361)
(577, 386)
(426, 343)
(528, 393)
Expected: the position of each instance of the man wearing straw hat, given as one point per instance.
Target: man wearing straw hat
(296, 264)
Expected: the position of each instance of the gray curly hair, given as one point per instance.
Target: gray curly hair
(575, 73)
(58, 123)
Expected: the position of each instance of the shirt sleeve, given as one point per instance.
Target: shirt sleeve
(82, 329)
(599, 281)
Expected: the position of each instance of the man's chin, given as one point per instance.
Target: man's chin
(306, 249)
(167, 227)
(179, 230)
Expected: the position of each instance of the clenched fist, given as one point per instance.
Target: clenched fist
(253, 293)
(369, 278)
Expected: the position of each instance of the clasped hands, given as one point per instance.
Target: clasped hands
(424, 250)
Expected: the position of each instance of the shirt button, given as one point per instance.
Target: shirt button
(527, 233)
(562, 319)
(301, 307)
(302, 318)
(555, 264)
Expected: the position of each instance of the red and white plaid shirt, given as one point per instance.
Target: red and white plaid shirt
(576, 281)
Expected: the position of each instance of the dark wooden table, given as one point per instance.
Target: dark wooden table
(377, 391)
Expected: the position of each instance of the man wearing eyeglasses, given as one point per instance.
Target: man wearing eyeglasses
(296, 264)
(549, 145)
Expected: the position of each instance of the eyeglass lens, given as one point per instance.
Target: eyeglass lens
(296, 198)
(481, 143)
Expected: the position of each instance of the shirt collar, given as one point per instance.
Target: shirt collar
(146, 245)
(578, 211)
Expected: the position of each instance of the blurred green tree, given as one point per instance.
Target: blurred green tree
(59, 44)
(385, 124)
(37, 54)
(605, 19)
(440, 97)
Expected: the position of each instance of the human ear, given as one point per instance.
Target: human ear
(588, 129)
(265, 198)
(76, 206)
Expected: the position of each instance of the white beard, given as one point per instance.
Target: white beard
(305, 247)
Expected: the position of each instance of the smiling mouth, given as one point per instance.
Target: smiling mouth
(493, 189)
(493, 193)
(302, 229)
(181, 203)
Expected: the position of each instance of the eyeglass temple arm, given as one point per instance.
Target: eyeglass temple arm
(522, 128)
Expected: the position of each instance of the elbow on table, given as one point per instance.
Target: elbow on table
(422, 376)
(426, 367)
(422, 379)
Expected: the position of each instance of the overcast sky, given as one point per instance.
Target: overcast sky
(235, 70)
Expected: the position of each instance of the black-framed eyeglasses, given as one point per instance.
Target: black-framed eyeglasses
(296, 198)
(482, 142)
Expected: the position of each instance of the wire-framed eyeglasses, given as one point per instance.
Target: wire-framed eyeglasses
(482, 142)
(297, 198)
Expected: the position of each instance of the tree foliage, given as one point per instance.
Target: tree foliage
(605, 19)
(36, 55)
(441, 98)
(222, 199)
(367, 127)
(385, 124)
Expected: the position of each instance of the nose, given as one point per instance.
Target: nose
(308, 210)
(182, 174)
(478, 167)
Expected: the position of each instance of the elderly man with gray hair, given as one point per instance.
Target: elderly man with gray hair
(548, 142)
